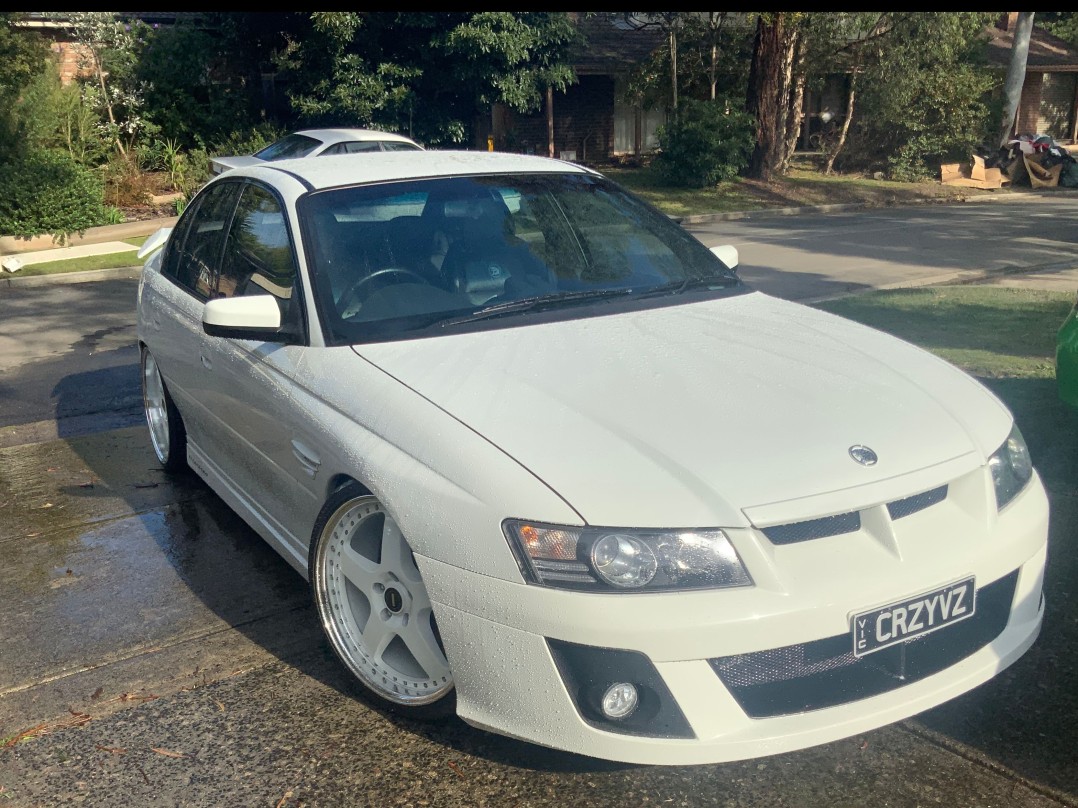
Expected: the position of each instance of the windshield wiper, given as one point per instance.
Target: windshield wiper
(677, 287)
(537, 303)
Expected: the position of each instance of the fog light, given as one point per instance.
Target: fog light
(619, 700)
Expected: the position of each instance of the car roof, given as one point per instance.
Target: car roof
(318, 173)
(337, 135)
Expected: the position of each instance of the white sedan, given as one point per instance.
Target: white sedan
(318, 143)
(549, 464)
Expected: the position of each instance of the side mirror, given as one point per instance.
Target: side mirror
(256, 317)
(727, 253)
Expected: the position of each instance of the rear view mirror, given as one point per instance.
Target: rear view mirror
(255, 317)
(727, 253)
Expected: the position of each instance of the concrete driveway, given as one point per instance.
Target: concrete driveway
(154, 651)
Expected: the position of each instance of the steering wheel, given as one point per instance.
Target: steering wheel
(352, 300)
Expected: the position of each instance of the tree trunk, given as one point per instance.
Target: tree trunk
(832, 154)
(673, 67)
(108, 102)
(713, 69)
(1016, 74)
(765, 100)
(797, 101)
(550, 121)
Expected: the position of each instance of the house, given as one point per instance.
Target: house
(590, 121)
(1049, 100)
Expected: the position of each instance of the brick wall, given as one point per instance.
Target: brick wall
(1029, 106)
(583, 122)
(69, 62)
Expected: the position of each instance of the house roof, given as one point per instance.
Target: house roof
(1047, 53)
(611, 46)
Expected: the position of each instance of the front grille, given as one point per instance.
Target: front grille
(825, 673)
(814, 528)
(918, 502)
(842, 523)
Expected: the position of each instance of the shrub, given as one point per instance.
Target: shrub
(126, 184)
(705, 144)
(248, 141)
(48, 192)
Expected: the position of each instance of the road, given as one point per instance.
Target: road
(155, 651)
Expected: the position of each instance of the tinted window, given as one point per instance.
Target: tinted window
(197, 261)
(258, 254)
(396, 145)
(398, 259)
(289, 147)
(359, 146)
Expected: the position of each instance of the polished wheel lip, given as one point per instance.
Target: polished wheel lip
(409, 622)
(155, 406)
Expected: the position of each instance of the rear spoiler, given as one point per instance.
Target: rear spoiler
(155, 241)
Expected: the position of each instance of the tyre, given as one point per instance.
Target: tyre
(374, 607)
(167, 433)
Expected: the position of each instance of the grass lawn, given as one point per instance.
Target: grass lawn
(1025, 719)
(110, 261)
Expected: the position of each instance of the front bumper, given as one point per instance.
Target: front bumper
(497, 638)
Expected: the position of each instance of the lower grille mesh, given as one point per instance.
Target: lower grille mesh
(825, 673)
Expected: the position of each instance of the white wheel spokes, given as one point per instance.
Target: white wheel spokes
(156, 409)
(388, 613)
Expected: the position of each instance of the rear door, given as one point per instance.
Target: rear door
(174, 299)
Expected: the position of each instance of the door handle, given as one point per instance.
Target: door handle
(308, 458)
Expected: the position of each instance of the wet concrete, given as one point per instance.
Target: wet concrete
(154, 651)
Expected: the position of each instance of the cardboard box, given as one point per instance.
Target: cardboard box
(975, 176)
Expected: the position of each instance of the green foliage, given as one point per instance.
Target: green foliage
(185, 91)
(48, 192)
(247, 141)
(22, 57)
(52, 116)
(428, 74)
(709, 142)
(1064, 24)
(925, 93)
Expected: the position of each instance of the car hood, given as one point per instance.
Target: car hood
(696, 414)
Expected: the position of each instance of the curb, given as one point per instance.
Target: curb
(86, 276)
(11, 245)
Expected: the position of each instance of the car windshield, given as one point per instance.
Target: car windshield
(395, 260)
(288, 147)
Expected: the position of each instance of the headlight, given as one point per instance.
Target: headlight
(624, 560)
(1011, 467)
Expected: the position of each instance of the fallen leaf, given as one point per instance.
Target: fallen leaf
(33, 535)
(68, 572)
(167, 752)
(220, 706)
(146, 485)
(89, 484)
(864, 744)
(115, 750)
(456, 769)
(52, 468)
(134, 697)
(43, 507)
(284, 799)
(97, 694)
(44, 729)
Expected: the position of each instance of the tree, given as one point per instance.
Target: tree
(369, 68)
(770, 84)
(23, 56)
(109, 51)
(1016, 74)
(938, 110)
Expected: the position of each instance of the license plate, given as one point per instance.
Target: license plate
(905, 619)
